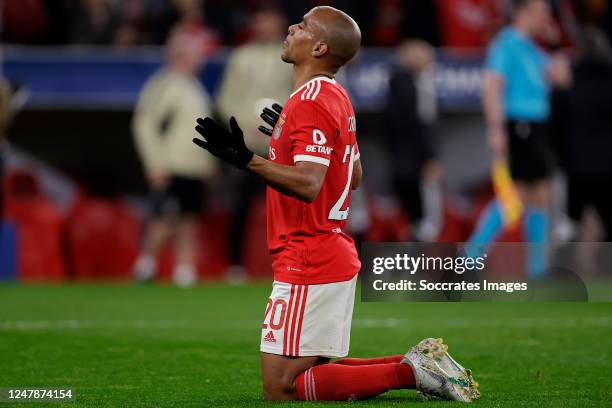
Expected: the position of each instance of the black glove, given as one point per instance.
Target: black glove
(228, 146)
(270, 116)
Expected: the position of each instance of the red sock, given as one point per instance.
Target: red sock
(367, 361)
(338, 382)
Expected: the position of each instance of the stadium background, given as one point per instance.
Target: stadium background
(75, 204)
(75, 189)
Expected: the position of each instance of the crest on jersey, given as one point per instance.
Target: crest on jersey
(278, 128)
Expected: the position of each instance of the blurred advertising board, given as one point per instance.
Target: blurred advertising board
(105, 78)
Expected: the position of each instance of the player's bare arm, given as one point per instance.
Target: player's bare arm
(493, 89)
(302, 181)
(271, 115)
(357, 175)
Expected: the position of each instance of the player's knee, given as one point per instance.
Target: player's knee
(280, 388)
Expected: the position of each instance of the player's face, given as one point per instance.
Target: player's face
(299, 41)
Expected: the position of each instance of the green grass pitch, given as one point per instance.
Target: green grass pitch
(159, 346)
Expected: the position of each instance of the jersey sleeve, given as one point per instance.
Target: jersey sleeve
(497, 59)
(313, 133)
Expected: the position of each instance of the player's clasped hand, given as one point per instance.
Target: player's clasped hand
(228, 146)
(270, 116)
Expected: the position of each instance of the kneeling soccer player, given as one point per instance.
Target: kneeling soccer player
(312, 166)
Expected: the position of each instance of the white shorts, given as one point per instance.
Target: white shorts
(309, 320)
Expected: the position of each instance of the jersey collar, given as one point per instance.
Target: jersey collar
(318, 77)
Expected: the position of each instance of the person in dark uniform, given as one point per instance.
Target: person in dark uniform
(582, 117)
(409, 116)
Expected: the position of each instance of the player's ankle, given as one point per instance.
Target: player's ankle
(405, 375)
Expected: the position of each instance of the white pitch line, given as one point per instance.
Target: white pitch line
(96, 324)
(485, 322)
(37, 325)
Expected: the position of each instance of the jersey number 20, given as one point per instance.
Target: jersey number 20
(336, 213)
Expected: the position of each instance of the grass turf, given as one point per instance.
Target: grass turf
(147, 346)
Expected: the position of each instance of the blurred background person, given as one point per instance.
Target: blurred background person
(94, 22)
(255, 77)
(134, 23)
(469, 23)
(583, 119)
(189, 16)
(409, 116)
(387, 30)
(24, 21)
(162, 126)
(12, 98)
(517, 80)
(5, 114)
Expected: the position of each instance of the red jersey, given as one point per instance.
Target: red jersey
(306, 241)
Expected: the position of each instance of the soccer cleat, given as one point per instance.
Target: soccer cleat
(438, 375)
